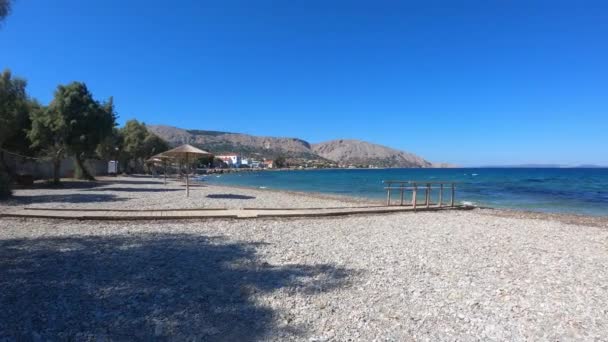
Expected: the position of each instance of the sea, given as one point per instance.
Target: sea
(554, 190)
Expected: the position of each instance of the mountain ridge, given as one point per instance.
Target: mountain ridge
(338, 152)
(359, 152)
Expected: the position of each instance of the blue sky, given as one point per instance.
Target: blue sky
(467, 82)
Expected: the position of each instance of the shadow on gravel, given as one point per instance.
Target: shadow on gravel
(69, 198)
(135, 189)
(146, 287)
(230, 196)
(128, 182)
(65, 184)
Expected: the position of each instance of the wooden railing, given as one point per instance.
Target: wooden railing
(414, 186)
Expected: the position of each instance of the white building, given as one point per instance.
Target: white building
(255, 163)
(232, 160)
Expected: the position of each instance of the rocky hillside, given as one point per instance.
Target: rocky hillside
(224, 142)
(356, 152)
(341, 152)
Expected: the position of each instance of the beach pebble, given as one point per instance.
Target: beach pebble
(443, 276)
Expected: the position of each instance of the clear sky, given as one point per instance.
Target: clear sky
(468, 82)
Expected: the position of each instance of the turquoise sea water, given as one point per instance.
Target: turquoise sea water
(580, 191)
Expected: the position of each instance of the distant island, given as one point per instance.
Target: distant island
(543, 166)
(298, 152)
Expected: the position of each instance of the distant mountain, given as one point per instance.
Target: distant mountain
(591, 166)
(338, 152)
(523, 166)
(356, 152)
(225, 142)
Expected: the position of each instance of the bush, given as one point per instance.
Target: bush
(5, 185)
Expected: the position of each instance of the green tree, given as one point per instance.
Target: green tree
(153, 144)
(138, 144)
(111, 147)
(5, 9)
(74, 123)
(88, 122)
(280, 162)
(48, 134)
(134, 134)
(15, 108)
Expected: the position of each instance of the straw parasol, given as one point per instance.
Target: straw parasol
(160, 158)
(185, 152)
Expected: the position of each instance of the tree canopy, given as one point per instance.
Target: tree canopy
(73, 123)
(15, 110)
(139, 144)
(5, 9)
(280, 162)
(14, 106)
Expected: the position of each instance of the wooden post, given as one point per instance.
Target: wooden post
(440, 195)
(452, 198)
(428, 194)
(187, 178)
(402, 189)
(414, 195)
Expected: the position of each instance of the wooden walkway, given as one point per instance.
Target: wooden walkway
(210, 213)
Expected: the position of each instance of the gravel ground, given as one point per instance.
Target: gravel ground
(454, 275)
(150, 193)
(425, 276)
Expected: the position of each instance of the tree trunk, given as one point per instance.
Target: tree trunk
(56, 170)
(84, 172)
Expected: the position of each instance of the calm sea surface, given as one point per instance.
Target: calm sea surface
(580, 191)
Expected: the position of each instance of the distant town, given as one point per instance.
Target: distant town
(238, 161)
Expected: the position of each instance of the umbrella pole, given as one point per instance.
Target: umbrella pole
(165, 168)
(187, 180)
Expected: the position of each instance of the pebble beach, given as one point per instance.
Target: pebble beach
(434, 276)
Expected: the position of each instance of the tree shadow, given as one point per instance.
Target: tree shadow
(129, 182)
(81, 184)
(65, 184)
(146, 287)
(64, 198)
(230, 196)
(135, 189)
(193, 184)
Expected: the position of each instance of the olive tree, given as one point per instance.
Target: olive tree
(5, 9)
(75, 124)
(15, 108)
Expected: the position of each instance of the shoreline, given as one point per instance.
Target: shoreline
(270, 198)
(577, 219)
(553, 191)
(311, 194)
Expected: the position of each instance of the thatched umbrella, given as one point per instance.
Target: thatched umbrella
(160, 158)
(184, 152)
